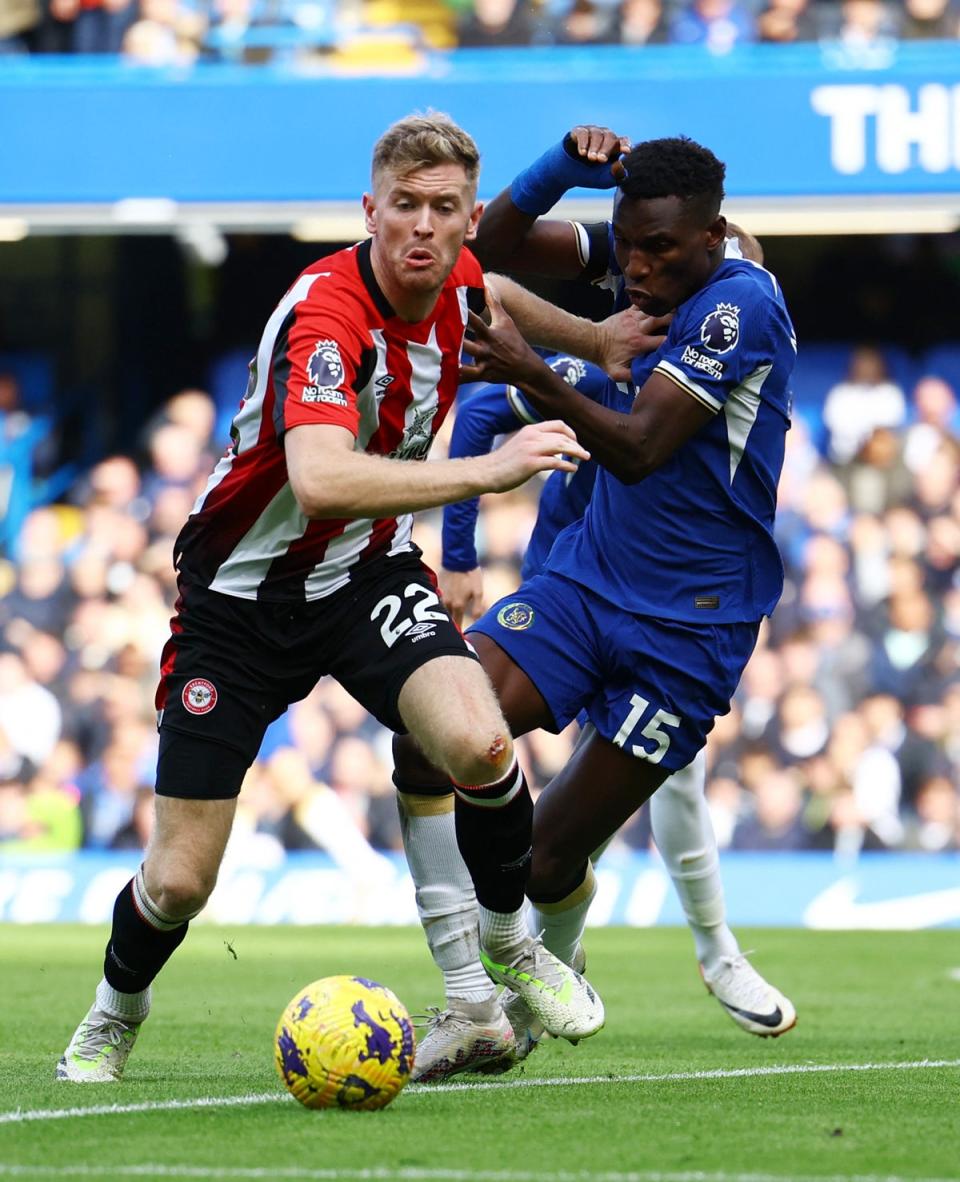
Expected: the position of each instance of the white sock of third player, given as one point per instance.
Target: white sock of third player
(446, 902)
(684, 835)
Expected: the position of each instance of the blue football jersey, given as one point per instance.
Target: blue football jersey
(694, 540)
(492, 409)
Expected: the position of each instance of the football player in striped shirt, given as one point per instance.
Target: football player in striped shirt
(297, 562)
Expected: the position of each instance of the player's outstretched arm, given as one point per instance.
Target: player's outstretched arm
(610, 343)
(330, 479)
(513, 234)
(481, 417)
(630, 446)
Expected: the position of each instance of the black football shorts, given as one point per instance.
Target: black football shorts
(231, 666)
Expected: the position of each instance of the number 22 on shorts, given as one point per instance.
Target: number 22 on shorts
(651, 731)
(426, 610)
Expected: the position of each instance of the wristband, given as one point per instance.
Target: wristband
(538, 188)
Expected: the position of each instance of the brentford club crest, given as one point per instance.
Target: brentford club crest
(199, 696)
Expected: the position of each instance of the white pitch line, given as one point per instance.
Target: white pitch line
(415, 1174)
(19, 1116)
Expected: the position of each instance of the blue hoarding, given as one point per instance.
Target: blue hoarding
(790, 122)
(875, 891)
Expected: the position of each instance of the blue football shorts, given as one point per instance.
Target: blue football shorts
(653, 687)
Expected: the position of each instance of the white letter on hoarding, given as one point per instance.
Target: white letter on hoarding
(956, 126)
(899, 128)
(41, 895)
(847, 108)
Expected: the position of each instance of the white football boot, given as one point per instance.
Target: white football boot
(528, 1029)
(473, 1037)
(564, 1002)
(751, 1002)
(98, 1050)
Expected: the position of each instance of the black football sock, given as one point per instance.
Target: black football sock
(494, 832)
(142, 940)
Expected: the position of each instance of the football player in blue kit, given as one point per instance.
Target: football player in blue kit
(649, 606)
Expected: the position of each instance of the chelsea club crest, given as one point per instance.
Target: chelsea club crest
(515, 616)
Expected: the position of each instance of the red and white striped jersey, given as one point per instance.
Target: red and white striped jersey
(335, 352)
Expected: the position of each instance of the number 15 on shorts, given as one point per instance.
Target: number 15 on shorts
(652, 731)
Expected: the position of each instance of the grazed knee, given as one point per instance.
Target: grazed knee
(481, 763)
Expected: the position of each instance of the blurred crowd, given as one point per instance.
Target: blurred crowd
(391, 33)
(844, 735)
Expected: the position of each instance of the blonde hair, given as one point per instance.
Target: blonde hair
(424, 141)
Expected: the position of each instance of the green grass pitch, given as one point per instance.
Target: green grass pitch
(867, 1002)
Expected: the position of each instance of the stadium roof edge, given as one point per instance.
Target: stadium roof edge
(343, 221)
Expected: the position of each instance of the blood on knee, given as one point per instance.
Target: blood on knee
(497, 749)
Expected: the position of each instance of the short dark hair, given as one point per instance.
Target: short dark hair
(674, 167)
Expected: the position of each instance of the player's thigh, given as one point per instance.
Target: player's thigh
(521, 704)
(541, 650)
(599, 789)
(230, 667)
(665, 683)
(448, 706)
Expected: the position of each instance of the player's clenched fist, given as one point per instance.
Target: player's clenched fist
(598, 144)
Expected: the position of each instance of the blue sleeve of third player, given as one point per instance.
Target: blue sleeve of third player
(480, 418)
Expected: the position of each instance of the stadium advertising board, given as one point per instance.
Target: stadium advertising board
(874, 892)
(789, 121)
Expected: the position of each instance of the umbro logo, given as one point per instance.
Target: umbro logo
(387, 380)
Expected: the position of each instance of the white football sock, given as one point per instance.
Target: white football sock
(562, 923)
(130, 1007)
(503, 933)
(446, 902)
(684, 835)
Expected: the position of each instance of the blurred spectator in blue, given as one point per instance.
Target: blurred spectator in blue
(820, 506)
(846, 832)
(587, 22)
(877, 778)
(30, 715)
(787, 21)
(110, 786)
(936, 824)
(937, 482)
(941, 557)
(27, 450)
(800, 728)
(228, 35)
(776, 822)
(934, 421)
(94, 26)
(759, 691)
(166, 33)
(641, 22)
(905, 656)
(717, 24)
(866, 399)
(877, 477)
(19, 20)
(865, 24)
(40, 597)
(177, 460)
(929, 20)
(114, 482)
(44, 655)
(136, 833)
(493, 23)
